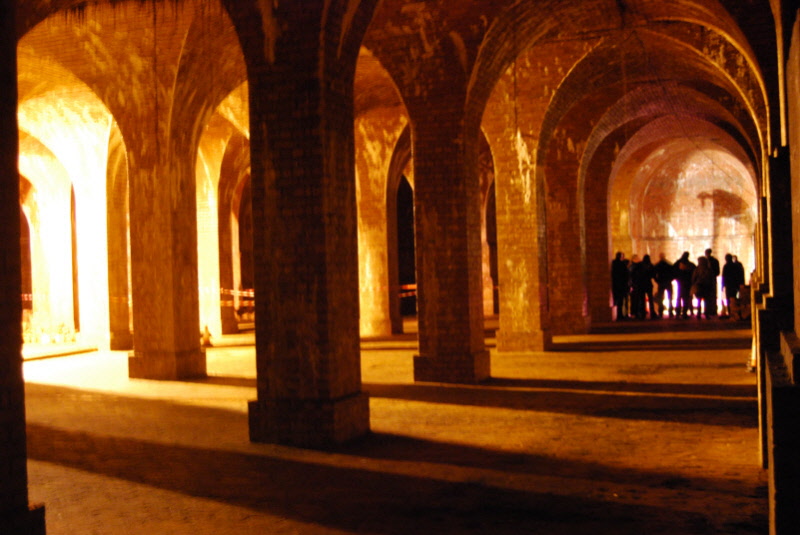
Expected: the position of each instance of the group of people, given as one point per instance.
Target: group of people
(638, 286)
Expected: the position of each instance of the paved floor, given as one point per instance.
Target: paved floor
(637, 430)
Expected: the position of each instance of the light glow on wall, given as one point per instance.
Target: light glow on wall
(64, 148)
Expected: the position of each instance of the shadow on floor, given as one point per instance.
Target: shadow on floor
(675, 344)
(729, 405)
(688, 408)
(667, 324)
(365, 499)
(695, 389)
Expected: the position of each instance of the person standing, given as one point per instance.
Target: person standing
(642, 274)
(702, 280)
(633, 297)
(732, 281)
(683, 274)
(664, 275)
(713, 264)
(619, 284)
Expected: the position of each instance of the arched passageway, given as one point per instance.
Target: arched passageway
(593, 126)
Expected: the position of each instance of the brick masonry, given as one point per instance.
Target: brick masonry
(588, 112)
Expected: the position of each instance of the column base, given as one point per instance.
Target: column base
(524, 341)
(167, 366)
(312, 423)
(26, 522)
(471, 368)
(121, 341)
(230, 325)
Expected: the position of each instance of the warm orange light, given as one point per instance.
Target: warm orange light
(64, 151)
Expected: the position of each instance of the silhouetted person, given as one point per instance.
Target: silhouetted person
(683, 274)
(664, 275)
(732, 281)
(702, 281)
(619, 284)
(713, 264)
(642, 274)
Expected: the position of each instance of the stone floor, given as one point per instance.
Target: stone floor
(637, 430)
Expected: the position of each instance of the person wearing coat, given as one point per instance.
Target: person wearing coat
(664, 275)
(703, 282)
(684, 268)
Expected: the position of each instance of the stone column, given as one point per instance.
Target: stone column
(447, 207)
(230, 325)
(164, 272)
(121, 337)
(377, 133)
(304, 221)
(596, 224)
(774, 310)
(162, 138)
(234, 177)
(566, 263)
(508, 124)
(17, 517)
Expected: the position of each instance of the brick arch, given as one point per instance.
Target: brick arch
(30, 14)
(380, 120)
(523, 25)
(202, 86)
(49, 213)
(171, 91)
(573, 117)
(659, 150)
(650, 102)
(616, 69)
(619, 153)
(71, 120)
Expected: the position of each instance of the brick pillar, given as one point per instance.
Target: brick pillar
(598, 256)
(566, 262)
(304, 221)
(398, 168)
(782, 399)
(162, 138)
(521, 245)
(234, 177)
(772, 301)
(17, 517)
(376, 133)
(227, 189)
(447, 212)
(118, 301)
(166, 313)
(776, 298)
(522, 271)
(164, 279)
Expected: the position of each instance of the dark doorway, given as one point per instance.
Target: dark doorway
(405, 249)
(491, 239)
